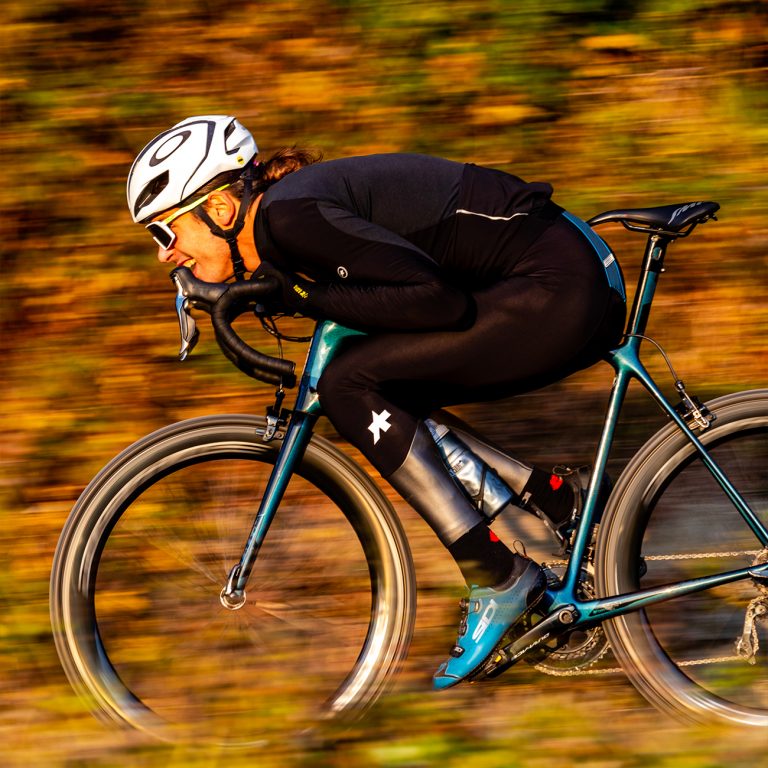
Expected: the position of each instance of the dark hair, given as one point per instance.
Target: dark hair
(283, 162)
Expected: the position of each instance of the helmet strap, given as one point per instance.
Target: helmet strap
(230, 235)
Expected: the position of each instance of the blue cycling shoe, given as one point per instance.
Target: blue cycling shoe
(486, 616)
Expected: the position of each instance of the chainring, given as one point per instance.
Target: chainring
(574, 651)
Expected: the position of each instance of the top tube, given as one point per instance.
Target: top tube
(326, 342)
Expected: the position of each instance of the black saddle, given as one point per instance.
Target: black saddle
(671, 220)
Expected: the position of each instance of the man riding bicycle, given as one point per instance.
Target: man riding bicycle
(470, 284)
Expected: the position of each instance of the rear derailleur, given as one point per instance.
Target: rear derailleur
(748, 644)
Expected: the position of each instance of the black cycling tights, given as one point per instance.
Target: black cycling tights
(554, 314)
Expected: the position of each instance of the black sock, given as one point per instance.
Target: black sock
(483, 558)
(550, 493)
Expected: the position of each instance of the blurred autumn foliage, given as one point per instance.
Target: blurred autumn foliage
(616, 102)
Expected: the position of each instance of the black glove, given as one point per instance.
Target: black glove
(294, 296)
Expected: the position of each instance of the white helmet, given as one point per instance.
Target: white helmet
(178, 162)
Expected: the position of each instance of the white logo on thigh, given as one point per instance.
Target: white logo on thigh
(485, 620)
(379, 424)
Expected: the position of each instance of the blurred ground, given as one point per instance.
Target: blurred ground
(617, 104)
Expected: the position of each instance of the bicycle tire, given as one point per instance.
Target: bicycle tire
(140, 563)
(669, 511)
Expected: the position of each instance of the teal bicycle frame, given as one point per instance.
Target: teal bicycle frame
(326, 342)
(565, 610)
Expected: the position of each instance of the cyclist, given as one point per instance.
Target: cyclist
(470, 283)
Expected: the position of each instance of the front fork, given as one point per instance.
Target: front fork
(326, 342)
(297, 437)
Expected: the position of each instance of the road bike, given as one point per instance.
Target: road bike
(153, 623)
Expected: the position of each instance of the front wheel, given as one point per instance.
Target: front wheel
(140, 565)
(667, 521)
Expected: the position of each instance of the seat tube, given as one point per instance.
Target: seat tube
(580, 544)
(625, 362)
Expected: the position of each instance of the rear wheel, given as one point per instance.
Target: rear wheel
(137, 576)
(668, 520)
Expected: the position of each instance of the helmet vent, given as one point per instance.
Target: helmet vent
(151, 191)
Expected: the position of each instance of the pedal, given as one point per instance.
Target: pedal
(505, 656)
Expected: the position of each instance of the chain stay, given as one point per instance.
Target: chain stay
(747, 645)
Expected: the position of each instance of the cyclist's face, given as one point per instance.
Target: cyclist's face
(197, 248)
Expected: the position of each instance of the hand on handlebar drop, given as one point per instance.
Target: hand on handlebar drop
(294, 295)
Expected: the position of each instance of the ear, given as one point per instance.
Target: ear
(222, 208)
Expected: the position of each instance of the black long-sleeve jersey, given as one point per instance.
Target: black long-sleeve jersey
(398, 241)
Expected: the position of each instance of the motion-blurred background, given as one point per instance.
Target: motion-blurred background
(616, 102)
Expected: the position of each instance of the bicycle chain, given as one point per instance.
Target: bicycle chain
(619, 670)
(704, 555)
(754, 611)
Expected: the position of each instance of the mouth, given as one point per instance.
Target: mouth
(189, 263)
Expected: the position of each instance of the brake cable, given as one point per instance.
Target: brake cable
(270, 326)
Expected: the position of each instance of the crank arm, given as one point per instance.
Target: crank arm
(552, 626)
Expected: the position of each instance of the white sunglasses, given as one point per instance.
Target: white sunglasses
(161, 231)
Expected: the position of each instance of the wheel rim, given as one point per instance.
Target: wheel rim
(682, 654)
(321, 600)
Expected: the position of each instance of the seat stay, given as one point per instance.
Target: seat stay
(670, 220)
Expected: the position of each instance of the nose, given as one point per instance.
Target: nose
(164, 255)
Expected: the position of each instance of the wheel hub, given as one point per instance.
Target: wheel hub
(232, 602)
(762, 583)
(231, 598)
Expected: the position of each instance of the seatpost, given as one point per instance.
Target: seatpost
(653, 266)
